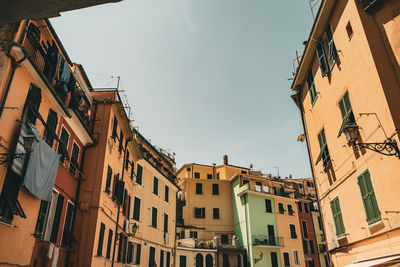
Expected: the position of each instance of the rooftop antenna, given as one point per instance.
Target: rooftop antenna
(276, 167)
(312, 4)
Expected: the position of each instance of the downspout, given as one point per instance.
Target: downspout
(78, 187)
(14, 64)
(300, 105)
(247, 231)
(119, 206)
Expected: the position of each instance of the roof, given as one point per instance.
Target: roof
(375, 262)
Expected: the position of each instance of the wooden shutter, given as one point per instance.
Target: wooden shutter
(322, 59)
(139, 174)
(101, 238)
(136, 209)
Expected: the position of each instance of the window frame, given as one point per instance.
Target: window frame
(215, 189)
(155, 185)
(154, 219)
(134, 208)
(199, 188)
(292, 229)
(216, 212)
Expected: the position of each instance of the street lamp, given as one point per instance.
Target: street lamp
(388, 148)
(30, 143)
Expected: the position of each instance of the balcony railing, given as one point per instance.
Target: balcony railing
(264, 240)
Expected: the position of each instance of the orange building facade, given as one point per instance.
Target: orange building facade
(347, 88)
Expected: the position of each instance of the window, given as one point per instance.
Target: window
(337, 217)
(49, 132)
(311, 86)
(349, 30)
(293, 231)
(245, 182)
(304, 226)
(225, 260)
(132, 169)
(127, 160)
(296, 256)
(274, 259)
(152, 257)
(326, 52)
(41, 221)
(324, 152)
(139, 174)
(243, 172)
(73, 166)
(199, 260)
(200, 213)
(300, 206)
(182, 261)
(121, 140)
(9, 205)
(114, 129)
(215, 213)
(101, 238)
(322, 59)
(166, 195)
(154, 217)
(32, 104)
(109, 243)
(332, 52)
(215, 189)
(311, 245)
(346, 111)
(199, 188)
(197, 175)
(108, 181)
(56, 218)
(268, 205)
(133, 255)
(209, 260)
(224, 240)
(165, 223)
(217, 175)
(136, 209)
(62, 147)
(155, 186)
(209, 176)
(188, 169)
(66, 236)
(281, 209)
(368, 197)
(319, 223)
(306, 207)
(286, 259)
(290, 209)
(193, 234)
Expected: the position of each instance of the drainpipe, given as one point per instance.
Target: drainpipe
(14, 64)
(119, 207)
(300, 105)
(247, 231)
(78, 187)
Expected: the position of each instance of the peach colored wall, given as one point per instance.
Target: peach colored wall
(366, 72)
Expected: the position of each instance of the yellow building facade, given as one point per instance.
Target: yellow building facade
(347, 89)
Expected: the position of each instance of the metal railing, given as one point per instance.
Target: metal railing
(265, 240)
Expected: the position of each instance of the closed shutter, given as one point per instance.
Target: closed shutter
(372, 211)
(139, 174)
(108, 181)
(32, 104)
(101, 238)
(322, 59)
(337, 217)
(62, 146)
(138, 252)
(136, 209)
(268, 205)
(109, 243)
(50, 129)
(67, 225)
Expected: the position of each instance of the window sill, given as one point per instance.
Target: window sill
(342, 237)
(6, 222)
(375, 222)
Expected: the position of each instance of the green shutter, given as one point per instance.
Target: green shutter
(311, 86)
(154, 217)
(138, 251)
(324, 152)
(41, 221)
(332, 52)
(108, 182)
(323, 62)
(120, 191)
(101, 238)
(337, 217)
(136, 209)
(139, 174)
(372, 211)
(346, 111)
(155, 186)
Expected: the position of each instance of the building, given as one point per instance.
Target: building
(266, 220)
(347, 88)
(128, 199)
(43, 91)
(205, 225)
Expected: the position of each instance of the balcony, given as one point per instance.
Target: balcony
(268, 241)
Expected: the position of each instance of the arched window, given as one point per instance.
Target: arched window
(209, 260)
(199, 260)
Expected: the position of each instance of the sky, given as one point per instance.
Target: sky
(204, 78)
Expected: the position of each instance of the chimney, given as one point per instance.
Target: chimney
(225, 159)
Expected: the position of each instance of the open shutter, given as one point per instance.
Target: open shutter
(323, 62)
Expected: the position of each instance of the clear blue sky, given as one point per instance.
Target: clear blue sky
(204, 77)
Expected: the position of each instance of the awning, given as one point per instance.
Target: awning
(375, 262)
